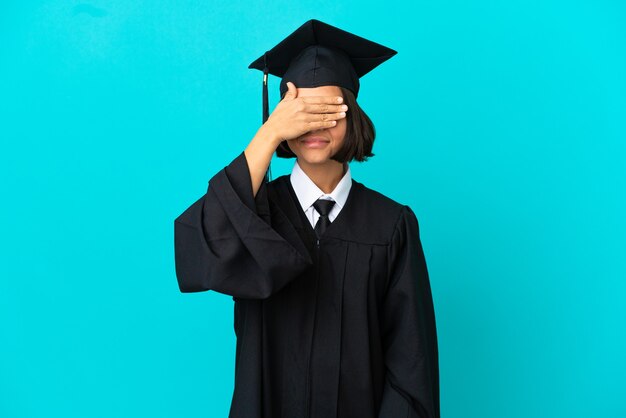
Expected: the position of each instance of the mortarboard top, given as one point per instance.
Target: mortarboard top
(318, 54)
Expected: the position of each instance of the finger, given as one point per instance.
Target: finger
(325, 108)
(321, 124)
(316, 117)
(292, 92)
(324, 117)
(322, 99)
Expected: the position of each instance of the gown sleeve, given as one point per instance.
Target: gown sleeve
(409, 333)
(225, 242)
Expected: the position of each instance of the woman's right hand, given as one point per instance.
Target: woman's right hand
(294, 116)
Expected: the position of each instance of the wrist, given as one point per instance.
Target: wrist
(269, 136)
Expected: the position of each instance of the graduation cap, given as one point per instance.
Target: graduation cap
(318, 54)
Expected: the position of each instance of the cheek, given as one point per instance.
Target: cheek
(338, 132)
(293, 148)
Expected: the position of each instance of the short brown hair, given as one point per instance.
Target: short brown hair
(359, 139)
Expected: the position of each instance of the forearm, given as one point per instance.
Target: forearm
(259, 154)
(213, 250)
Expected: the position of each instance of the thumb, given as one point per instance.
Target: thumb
(291, 92)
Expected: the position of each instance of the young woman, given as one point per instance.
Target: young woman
(333, 308)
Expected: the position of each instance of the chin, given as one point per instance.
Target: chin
(314, 157)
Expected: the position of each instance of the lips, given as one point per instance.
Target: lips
(314, 139)
(314, 142)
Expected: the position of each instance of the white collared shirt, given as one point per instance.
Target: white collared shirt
(308, 192)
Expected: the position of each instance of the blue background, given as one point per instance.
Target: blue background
(501, 123)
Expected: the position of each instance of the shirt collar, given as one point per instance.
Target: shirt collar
(308, 192)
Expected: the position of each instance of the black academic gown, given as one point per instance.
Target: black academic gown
(343, 327)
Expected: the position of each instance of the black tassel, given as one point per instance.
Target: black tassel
(266, 110)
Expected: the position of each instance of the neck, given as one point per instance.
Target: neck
(326, 176)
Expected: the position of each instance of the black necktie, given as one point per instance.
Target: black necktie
(323, 207)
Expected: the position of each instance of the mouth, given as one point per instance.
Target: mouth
(314, 141)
